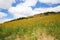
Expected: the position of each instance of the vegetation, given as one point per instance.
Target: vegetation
(35, 28)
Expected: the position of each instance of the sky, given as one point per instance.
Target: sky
(13, 9)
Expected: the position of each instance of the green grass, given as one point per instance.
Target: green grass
(52, 29)
(32, 29)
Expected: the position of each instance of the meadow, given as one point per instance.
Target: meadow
(35, 28)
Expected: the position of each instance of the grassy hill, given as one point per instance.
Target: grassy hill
(44, 26)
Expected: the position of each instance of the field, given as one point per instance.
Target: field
(35, 28)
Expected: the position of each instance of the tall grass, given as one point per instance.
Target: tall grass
(38, 28)
(53, 29)
(30, 33)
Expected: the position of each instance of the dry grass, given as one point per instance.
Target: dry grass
(36, 28)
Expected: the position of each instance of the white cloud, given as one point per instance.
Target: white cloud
(4, 20)
(24, 9)
(50, 1)
(29, 3)
(27, 11)
(21, 11)
(2, 15)
(56, 9)
(42, 10)
(6, 3)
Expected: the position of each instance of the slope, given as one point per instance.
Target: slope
(38, 27)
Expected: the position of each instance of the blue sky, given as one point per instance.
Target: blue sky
(24, 8)
(38, 4)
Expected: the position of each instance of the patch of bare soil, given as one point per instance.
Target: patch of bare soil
(39, 35)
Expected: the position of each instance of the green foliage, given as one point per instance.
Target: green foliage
(53, 29)
(31, 29)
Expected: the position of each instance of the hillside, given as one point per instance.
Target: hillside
(44, 26)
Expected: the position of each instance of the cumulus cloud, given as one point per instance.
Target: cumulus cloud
(2, 15)
(6, 3)
(25, 10)
(51, 9)
(30, 2)
(50, 1)
(4, 20)
(21, 11)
